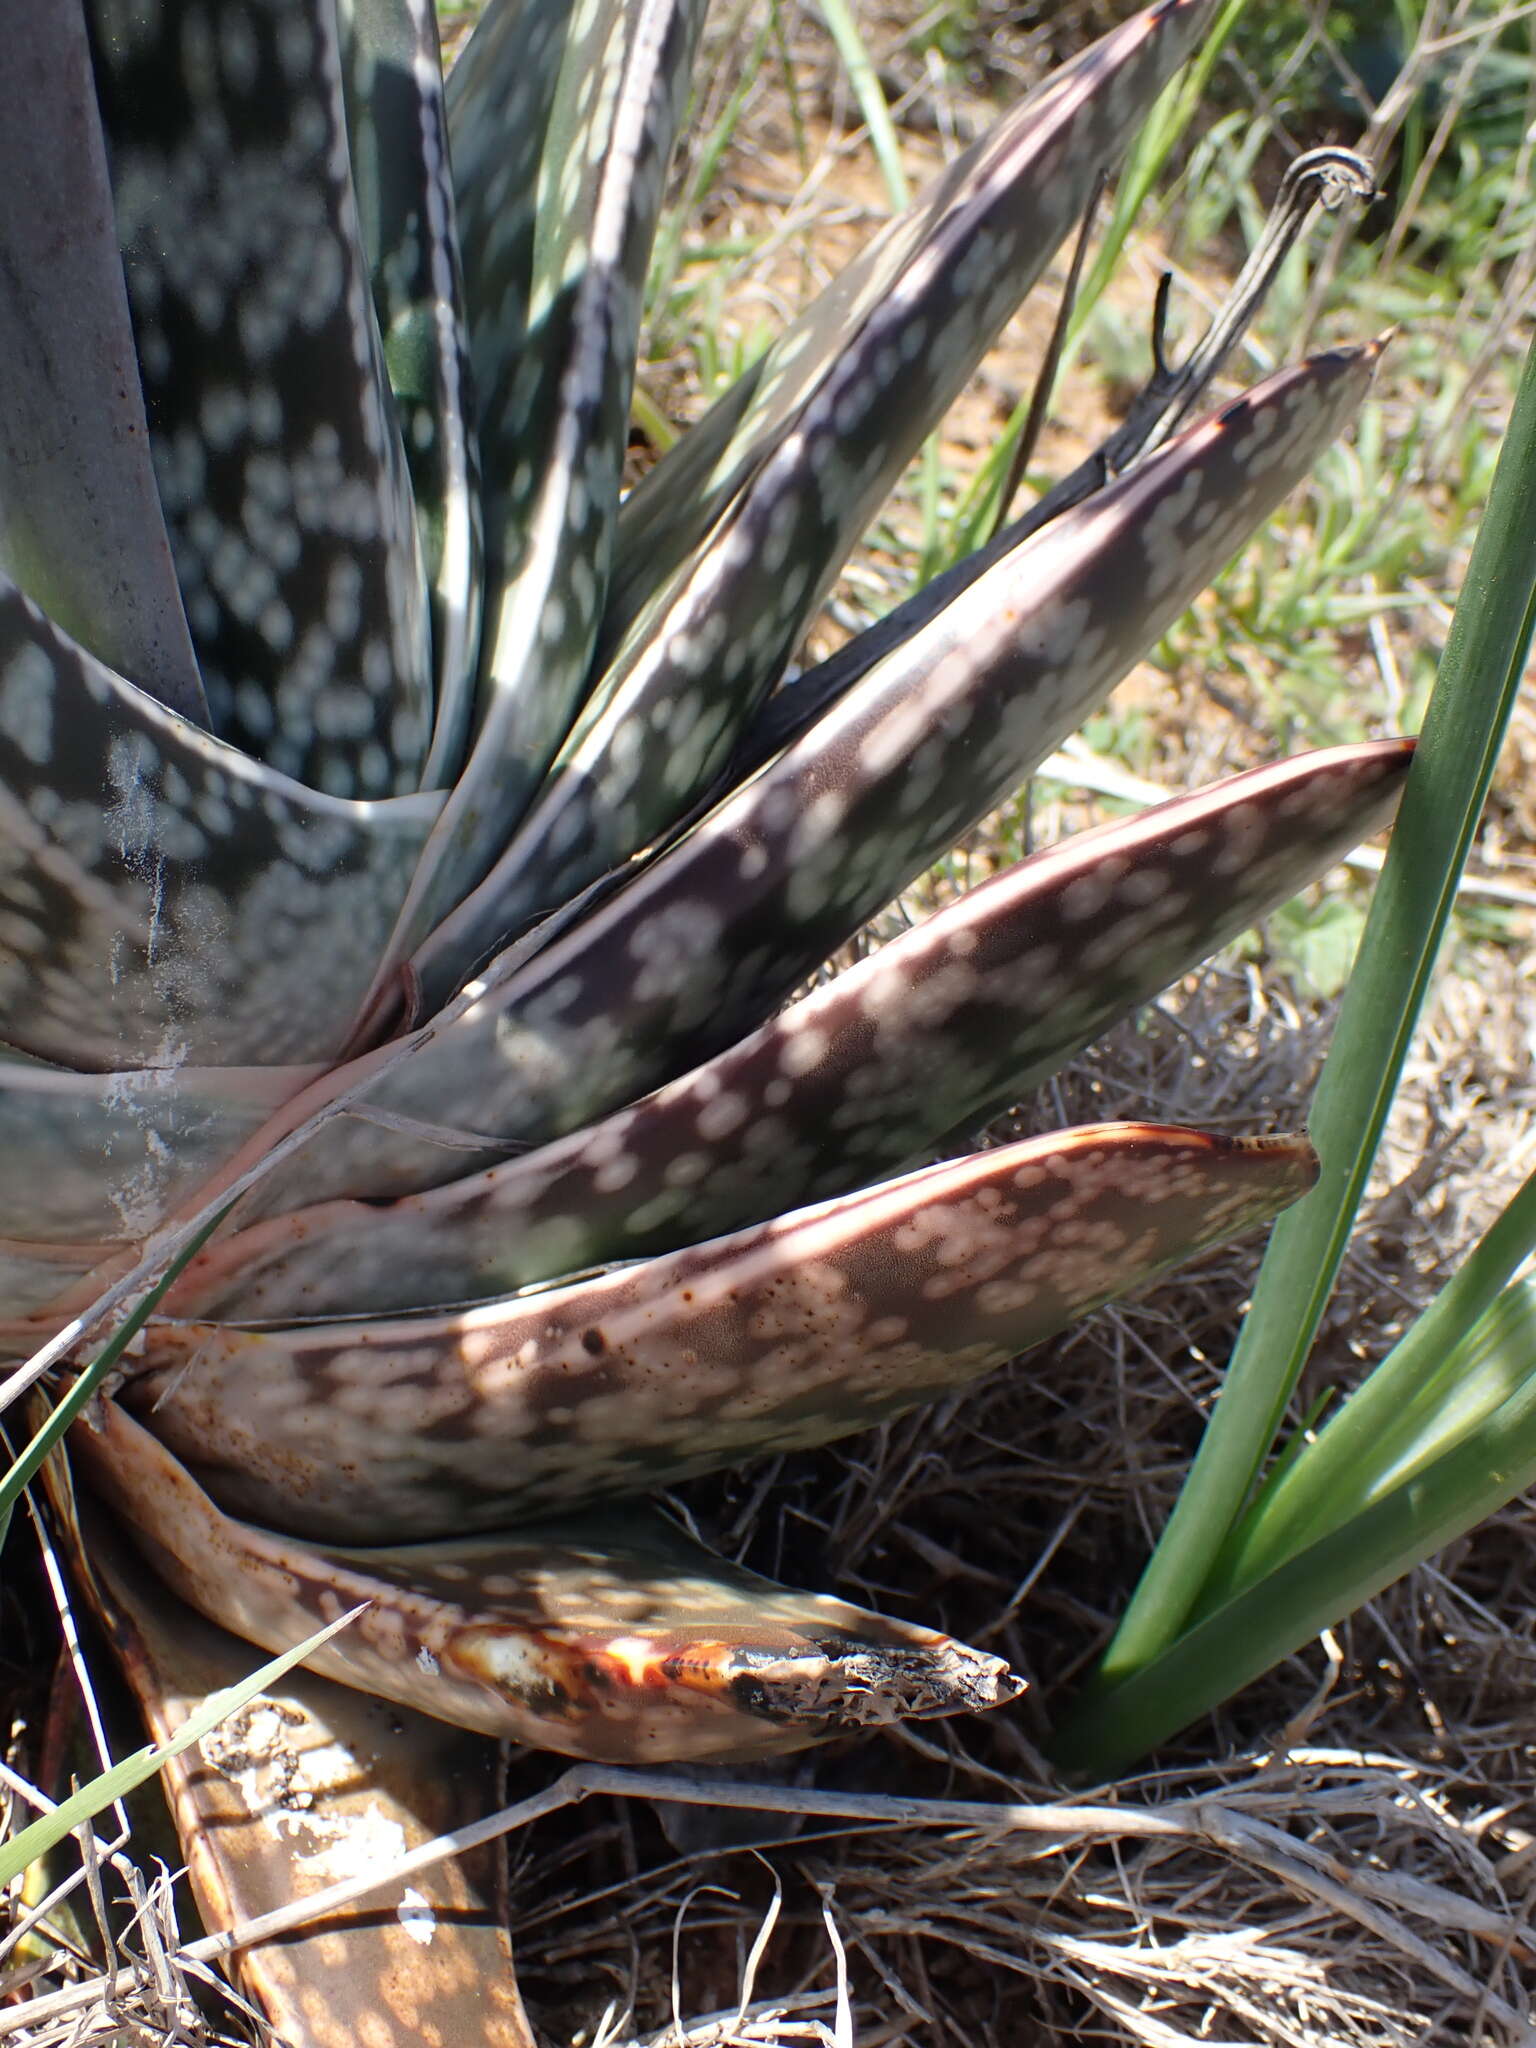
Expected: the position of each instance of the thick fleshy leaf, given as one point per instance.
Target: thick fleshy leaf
(81, 528)
(942, 1026)
(275, 443)
(618, 1639)
(830, 434)
(32, 1275)
(675, 504)
(553, 423)
(101, 1158)
(704, 942)
(792, 1333)
(166, 898)
(308, 1784)
(499, 97)
(397, 122)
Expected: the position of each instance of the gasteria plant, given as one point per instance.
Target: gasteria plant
(410, 839)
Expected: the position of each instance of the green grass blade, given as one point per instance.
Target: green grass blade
(1479, 677)
(865, 81)
(667, 254)
(27, 1465)
(986, 500)
(1159, 138)
(124, 1777)
(1416, 1403)
(1311, 1590)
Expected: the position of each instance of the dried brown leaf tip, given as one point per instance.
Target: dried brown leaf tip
(614, 1637)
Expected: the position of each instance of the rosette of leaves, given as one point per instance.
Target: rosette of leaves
(411, 836)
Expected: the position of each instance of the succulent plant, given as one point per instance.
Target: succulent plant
(388, 801)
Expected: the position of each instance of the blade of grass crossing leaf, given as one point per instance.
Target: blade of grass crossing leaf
(1479, 677)
(931, 500)
(1020, 446)
(1245, 1636)
(865, 81)
(25, 1467)
(123, 1778)
(791, 88)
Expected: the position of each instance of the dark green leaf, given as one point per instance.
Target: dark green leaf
(941, 1027)
(392, 74)
(81, 529)
(278, 456)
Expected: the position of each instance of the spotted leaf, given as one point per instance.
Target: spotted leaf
(553, 423)
(791, 1333)
(397, 124)
(941, 1027)
(167, 898)
(276, 448)
(704, 942)
(500, 96)
(829, 429)
(676, 504)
